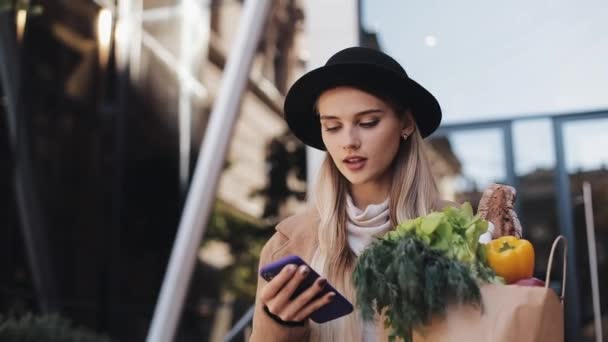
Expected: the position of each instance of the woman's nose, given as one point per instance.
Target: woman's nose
(351, 141)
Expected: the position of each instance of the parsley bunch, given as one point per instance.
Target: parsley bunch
(414, 272)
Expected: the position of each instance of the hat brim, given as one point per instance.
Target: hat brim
(300, 100)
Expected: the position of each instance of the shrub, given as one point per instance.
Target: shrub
(44, 328)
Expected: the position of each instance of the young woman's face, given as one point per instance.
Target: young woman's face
(361, 132)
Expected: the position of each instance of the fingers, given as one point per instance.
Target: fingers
(300, 302)
(281, 299)
(277, 293)
(271, 289)
(314, 306)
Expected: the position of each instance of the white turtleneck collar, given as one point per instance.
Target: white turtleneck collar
(363, 225)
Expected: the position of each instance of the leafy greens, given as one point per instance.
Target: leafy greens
(415, 271)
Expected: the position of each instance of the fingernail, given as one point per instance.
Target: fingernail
(303, 269)
(322, 282)
(290, 268)
(332, 295)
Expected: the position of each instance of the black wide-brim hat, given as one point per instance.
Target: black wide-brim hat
(359, 67)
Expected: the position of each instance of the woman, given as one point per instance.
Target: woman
(370, 117)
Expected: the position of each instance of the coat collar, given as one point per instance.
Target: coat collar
(303, 225)
(300, 231)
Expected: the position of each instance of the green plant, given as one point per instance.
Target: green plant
(246, 239)
(417, 270)
(245, 235)
(285, 157)
(44, 328)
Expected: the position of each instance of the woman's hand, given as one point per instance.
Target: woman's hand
(275, 295)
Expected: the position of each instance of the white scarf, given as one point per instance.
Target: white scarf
(363, 225)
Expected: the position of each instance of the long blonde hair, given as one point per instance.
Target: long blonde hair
(415, 193)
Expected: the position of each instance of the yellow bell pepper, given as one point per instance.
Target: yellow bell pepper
(511, 258)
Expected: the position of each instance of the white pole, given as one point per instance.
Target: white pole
(136, 41)
(190, 13)
(205, 178)
(595, 288)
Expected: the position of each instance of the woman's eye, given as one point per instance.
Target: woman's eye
(369, 124)
(330, 129)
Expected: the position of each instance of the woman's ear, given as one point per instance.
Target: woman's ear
(409, 124)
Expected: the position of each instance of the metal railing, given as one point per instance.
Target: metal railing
(206, 174)
(242, 323)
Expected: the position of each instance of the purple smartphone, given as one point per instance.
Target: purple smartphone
(338, 307)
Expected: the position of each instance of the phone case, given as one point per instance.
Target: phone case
(338, 307)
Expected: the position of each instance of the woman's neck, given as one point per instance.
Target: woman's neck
(366, 194)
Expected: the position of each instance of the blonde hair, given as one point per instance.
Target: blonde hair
(415, 193)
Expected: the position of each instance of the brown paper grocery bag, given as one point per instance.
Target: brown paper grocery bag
(510, 313)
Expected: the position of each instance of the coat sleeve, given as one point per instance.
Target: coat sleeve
(265, 329)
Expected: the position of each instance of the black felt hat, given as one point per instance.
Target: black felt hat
(366, 68)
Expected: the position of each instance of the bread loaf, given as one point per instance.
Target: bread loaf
(497, 206)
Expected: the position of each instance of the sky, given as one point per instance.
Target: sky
(489, 60)
(496, 59)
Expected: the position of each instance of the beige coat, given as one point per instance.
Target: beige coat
(295, 235)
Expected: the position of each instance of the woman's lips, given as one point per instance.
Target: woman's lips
(355, 164)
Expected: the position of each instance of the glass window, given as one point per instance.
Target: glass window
(586, 161)
(477, 158)
(533, 145)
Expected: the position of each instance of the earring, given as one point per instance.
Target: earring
(404, 136)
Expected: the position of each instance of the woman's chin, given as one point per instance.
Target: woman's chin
(356, 179)
(365, 177)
